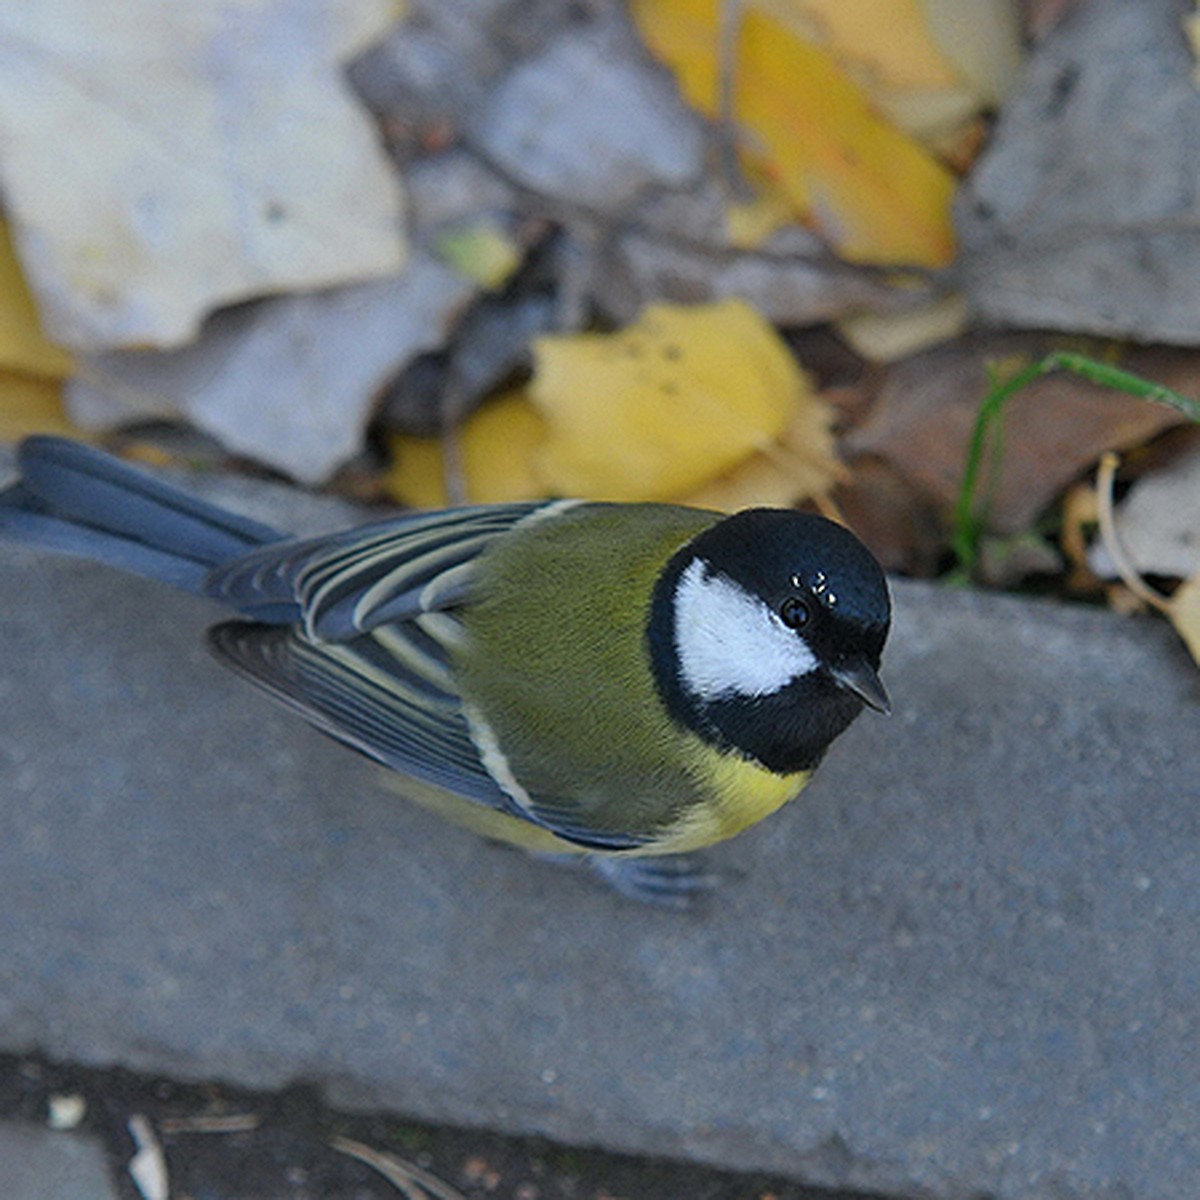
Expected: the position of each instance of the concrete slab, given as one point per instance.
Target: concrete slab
(40, 1164)
(968, 962)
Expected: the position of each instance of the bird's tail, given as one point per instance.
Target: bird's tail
(80, 501)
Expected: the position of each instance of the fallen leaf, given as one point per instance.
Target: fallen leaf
(498, 446)
(679, 250)
(886, 337)
(1053, 430)
(586, 121)
(23, 344)
(900, 524)
(929, 65)
(292, 381)
(1185, 614)
(871, 190)
(1054, 235)
(218, 155)
(1183, 607)
(29, 404)
(663, 406)
(1079, 516)
(801, 466)
(1159, 522)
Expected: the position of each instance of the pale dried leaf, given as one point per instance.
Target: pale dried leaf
(66, 1110)
(148, 1166)
(1185, 615)
(183, 190)
(1080, 214)
(886, 337)
(291, 382)
(1159, 522)
(588, 121)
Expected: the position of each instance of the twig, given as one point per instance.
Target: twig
(410, 1180)
(1105, 476)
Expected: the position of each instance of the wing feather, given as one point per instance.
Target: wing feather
(357, 631)
(343, 585)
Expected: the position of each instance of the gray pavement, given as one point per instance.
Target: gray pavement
(41, 1164)
(966, 963)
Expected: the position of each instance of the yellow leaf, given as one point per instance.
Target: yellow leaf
(1184, 611)
(888, 43)
(872, 191)
(887, 337)
(498, 445)
(31, 405)
(23, 345)
(803, 465)
(658, 409)
(928, 65)
(482, 252)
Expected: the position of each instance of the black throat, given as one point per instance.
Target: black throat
(786, 731)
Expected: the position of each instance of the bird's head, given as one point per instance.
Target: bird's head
(766, 632)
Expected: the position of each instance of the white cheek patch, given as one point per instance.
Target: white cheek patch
(729, 642)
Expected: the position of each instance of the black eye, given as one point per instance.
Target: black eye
(794, 612)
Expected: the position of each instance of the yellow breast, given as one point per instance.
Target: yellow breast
(741, 794)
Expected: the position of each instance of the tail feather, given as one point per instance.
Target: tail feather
(83, 502)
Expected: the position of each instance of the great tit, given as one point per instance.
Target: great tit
(619, 682)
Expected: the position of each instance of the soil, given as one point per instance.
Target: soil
(224, 1143)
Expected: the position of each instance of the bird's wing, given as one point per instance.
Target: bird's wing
(360, 641)
(372, 693)
(390, 695)
(345, 584)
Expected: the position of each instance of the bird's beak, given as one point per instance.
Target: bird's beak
(859, 677)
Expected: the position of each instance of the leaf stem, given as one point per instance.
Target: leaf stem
(969, 517)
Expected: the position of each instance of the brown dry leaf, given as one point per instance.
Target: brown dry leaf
(1053, 430)
(665, 405)
(872, 191)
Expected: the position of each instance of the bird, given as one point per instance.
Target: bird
(612, 684)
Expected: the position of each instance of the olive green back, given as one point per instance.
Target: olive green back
(556, 660)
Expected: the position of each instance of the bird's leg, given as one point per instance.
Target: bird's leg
(669, 881)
